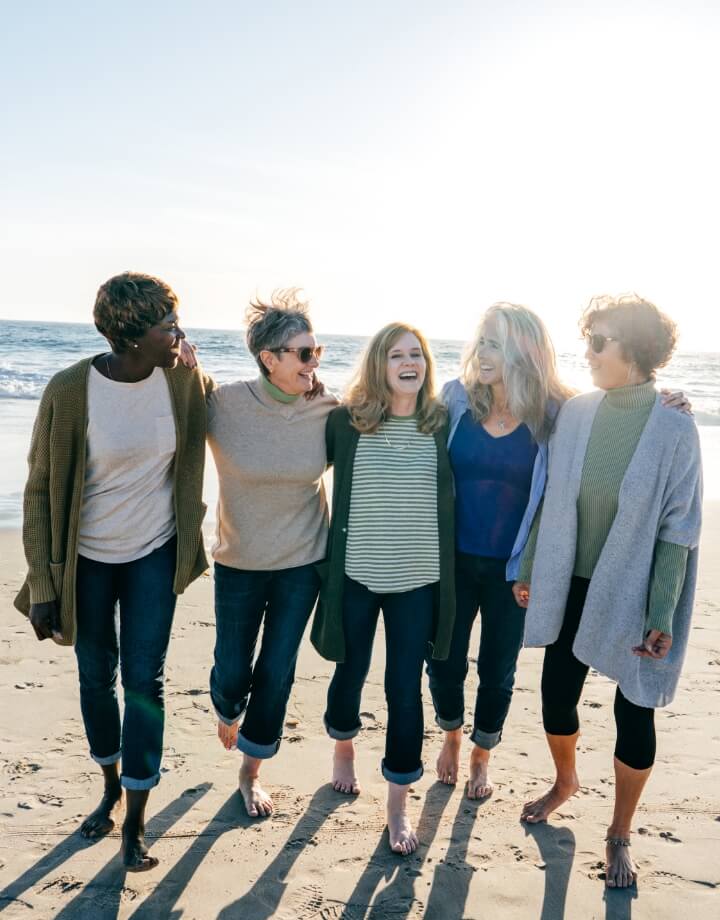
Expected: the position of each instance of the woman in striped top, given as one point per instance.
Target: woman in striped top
(390, 549)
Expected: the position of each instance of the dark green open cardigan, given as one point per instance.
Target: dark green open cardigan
(327, 633)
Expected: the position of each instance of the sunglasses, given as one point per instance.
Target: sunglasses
(305, 354)
(597, 341)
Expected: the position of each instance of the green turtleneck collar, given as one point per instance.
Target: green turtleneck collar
(635, 396)
(277, 393)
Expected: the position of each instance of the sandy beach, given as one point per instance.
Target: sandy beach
(322, 855)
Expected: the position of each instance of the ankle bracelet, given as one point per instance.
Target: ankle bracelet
(618, 841)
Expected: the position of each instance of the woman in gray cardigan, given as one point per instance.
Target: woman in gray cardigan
(613, 562)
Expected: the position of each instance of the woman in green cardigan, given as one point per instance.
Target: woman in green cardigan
(391, 547)
(112, 516)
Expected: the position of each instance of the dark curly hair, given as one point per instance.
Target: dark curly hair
(272, 325)
(647, 337)
(127, 305)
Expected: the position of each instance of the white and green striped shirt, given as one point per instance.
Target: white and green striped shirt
(392, 540)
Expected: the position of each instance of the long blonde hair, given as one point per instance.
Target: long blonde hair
(369, 396)
(529, 370)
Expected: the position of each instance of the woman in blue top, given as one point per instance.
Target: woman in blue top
(501, 411)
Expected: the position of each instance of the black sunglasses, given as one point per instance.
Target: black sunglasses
(597, 341)
(305, 354)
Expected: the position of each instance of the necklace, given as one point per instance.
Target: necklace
(107, 367)
(392, 446)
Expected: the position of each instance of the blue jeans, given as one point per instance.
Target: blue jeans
(139, 634)
(281, 602)
(408, 618)
(480, 583)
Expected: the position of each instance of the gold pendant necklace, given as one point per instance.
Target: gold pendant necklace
(396, 446)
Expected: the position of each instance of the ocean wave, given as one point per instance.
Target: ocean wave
(707, 418)
(21, 389)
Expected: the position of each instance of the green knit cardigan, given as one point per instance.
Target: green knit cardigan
(327, 634)
(54, 490)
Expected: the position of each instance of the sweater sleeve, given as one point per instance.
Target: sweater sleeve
(36, 508)
(528, 556)
(666, 585)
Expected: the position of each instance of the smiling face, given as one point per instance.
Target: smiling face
(285, 369)
(160, 344)
(609, 368)
(490, 356)
(405, 366)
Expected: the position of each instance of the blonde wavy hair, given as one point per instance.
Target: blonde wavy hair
(529, 370)
(369, 396)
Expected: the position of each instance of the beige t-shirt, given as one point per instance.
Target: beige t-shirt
(270, 456)
(127, 509)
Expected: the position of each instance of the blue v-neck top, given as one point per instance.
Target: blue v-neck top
(492, 486)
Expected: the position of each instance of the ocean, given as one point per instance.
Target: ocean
(31, 352)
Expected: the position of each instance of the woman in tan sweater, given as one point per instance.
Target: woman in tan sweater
(268, 442)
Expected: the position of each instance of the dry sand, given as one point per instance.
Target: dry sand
(322, 855)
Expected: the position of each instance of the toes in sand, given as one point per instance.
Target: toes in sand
(540, 809)
(343, 777)
(478, 784)
(448, 762)
(101, 822)
(258, 803)
(619, 869)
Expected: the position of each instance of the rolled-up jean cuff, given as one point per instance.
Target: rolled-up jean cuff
(106, 761)
(261, 751)
(337, 734)
(401, 779)
(486, 740)
(127, 782)
(449, 725)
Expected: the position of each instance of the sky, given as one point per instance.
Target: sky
(397, 160)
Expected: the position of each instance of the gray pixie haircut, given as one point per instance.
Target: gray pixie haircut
(272, 325)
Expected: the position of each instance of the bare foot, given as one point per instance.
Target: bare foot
(343, 778)
(619, 869)
(448, 762)
(539, 809)
(403, 839)
(228, 735)
(478, 784)
(100, 822)
(257, 802)
(134, 853)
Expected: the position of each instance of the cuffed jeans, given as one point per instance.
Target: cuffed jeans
(281, 602)
(138, 633)
(480, 583)
(408, 618)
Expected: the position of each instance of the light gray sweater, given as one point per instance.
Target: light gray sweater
(660, 499)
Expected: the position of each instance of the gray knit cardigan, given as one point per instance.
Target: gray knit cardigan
(660, 499)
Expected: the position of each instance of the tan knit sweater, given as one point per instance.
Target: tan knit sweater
(53, 494)
(270, 457)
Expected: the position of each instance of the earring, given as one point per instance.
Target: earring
(135, 345)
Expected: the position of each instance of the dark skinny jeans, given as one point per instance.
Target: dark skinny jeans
(259, 687)
(125, 611)
(479, 584)
(408, 619)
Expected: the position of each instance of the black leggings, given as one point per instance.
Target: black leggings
(563, 677)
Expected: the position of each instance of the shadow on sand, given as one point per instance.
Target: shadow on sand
(263, 899)
(100, 898)
(557, 851)
(398, 898)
